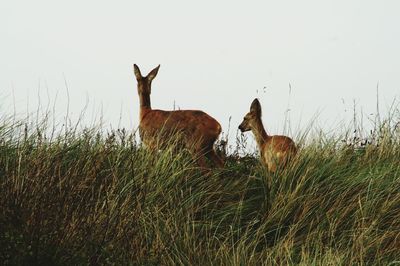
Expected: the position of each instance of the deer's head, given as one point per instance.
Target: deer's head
(250, 120)
(144, 83)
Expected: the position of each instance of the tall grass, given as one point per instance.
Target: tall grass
(85, 197)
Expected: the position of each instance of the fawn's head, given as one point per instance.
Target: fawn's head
(250, 119)
(144, 83)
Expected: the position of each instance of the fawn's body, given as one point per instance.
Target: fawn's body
(275, 150)
(196, 130)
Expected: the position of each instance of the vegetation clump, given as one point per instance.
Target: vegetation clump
(89, 197)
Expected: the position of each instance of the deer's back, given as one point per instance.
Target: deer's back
(192, 124)
(280, 144)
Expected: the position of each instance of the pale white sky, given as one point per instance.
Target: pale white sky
(214, 56)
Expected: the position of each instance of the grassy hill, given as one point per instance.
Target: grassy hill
(84, 197)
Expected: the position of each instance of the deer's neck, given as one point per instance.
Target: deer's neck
(145, 104)
(260, 134)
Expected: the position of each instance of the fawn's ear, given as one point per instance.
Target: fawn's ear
(153, 73)
(256, 107)
(136, 70)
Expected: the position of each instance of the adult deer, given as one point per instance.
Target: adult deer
(195, 130)
(275, 150)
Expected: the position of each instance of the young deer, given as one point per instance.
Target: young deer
(195, 130)
(275, 150)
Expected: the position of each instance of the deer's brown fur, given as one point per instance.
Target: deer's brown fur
(275, 150)
(195, 129)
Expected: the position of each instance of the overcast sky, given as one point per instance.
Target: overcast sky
(216, 56)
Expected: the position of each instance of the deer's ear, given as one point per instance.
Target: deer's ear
(256, 107)
(136, 70)
(153, 73)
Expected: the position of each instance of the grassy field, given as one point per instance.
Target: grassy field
(88, 197)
